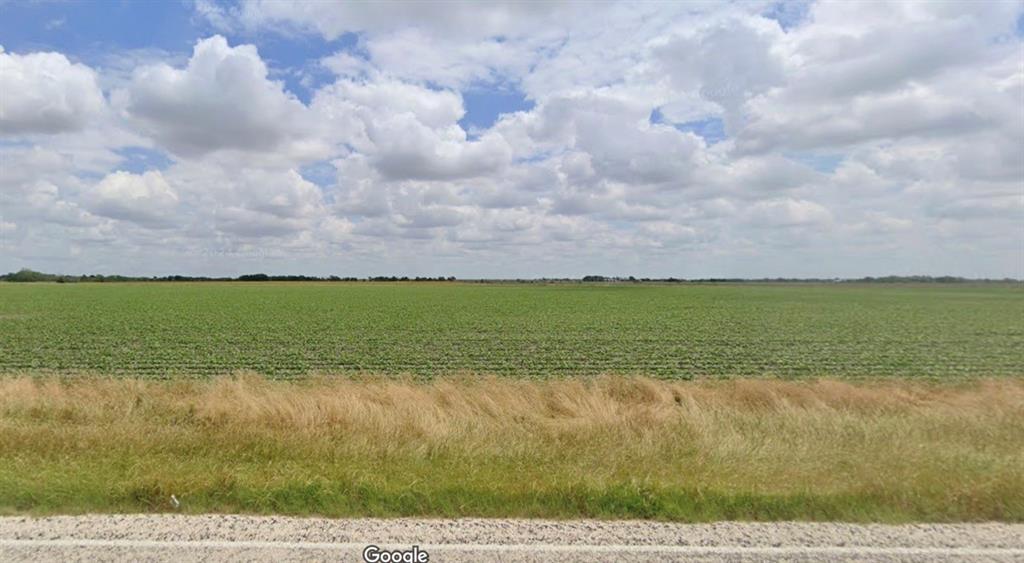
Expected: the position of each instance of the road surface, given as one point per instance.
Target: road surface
(280, 539)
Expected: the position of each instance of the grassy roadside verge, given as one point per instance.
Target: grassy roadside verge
(615, 447)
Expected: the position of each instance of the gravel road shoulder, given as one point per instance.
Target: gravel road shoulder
(249, 538)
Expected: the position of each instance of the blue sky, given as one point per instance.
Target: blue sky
(486, 102)
(92, 31)
(512, 139)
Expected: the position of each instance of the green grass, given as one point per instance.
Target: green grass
(607, 447)
(289, 330)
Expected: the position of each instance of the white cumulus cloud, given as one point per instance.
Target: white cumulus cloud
(45, 93)
(223, 99)
(146, 198)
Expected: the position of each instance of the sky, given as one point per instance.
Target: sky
(513, 139)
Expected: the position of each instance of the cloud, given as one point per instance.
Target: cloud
(145, 199)
(456, 45)
(383, 98)
(332, 20)
(880, 133)
(448, 61)
(788, 213)
(239, 204)
(898, 71)
(223, 99)
(637, 153)
(918, 112)
(45, 93)
(42, 202)
(727, 63)
(404, 149)
(249, 223)
(407, 131)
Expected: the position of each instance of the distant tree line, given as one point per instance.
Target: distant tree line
(868, 279)
(26, 275)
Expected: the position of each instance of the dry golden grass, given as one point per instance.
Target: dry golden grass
(612, 446)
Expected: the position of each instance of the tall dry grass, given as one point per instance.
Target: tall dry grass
(611, 446)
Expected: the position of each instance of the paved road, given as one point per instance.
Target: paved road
(215, 538)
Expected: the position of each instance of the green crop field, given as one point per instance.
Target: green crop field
(666, 331)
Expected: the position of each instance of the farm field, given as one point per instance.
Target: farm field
(673, 402)
(282, 330)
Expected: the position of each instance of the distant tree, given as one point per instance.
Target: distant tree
(26, 275)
